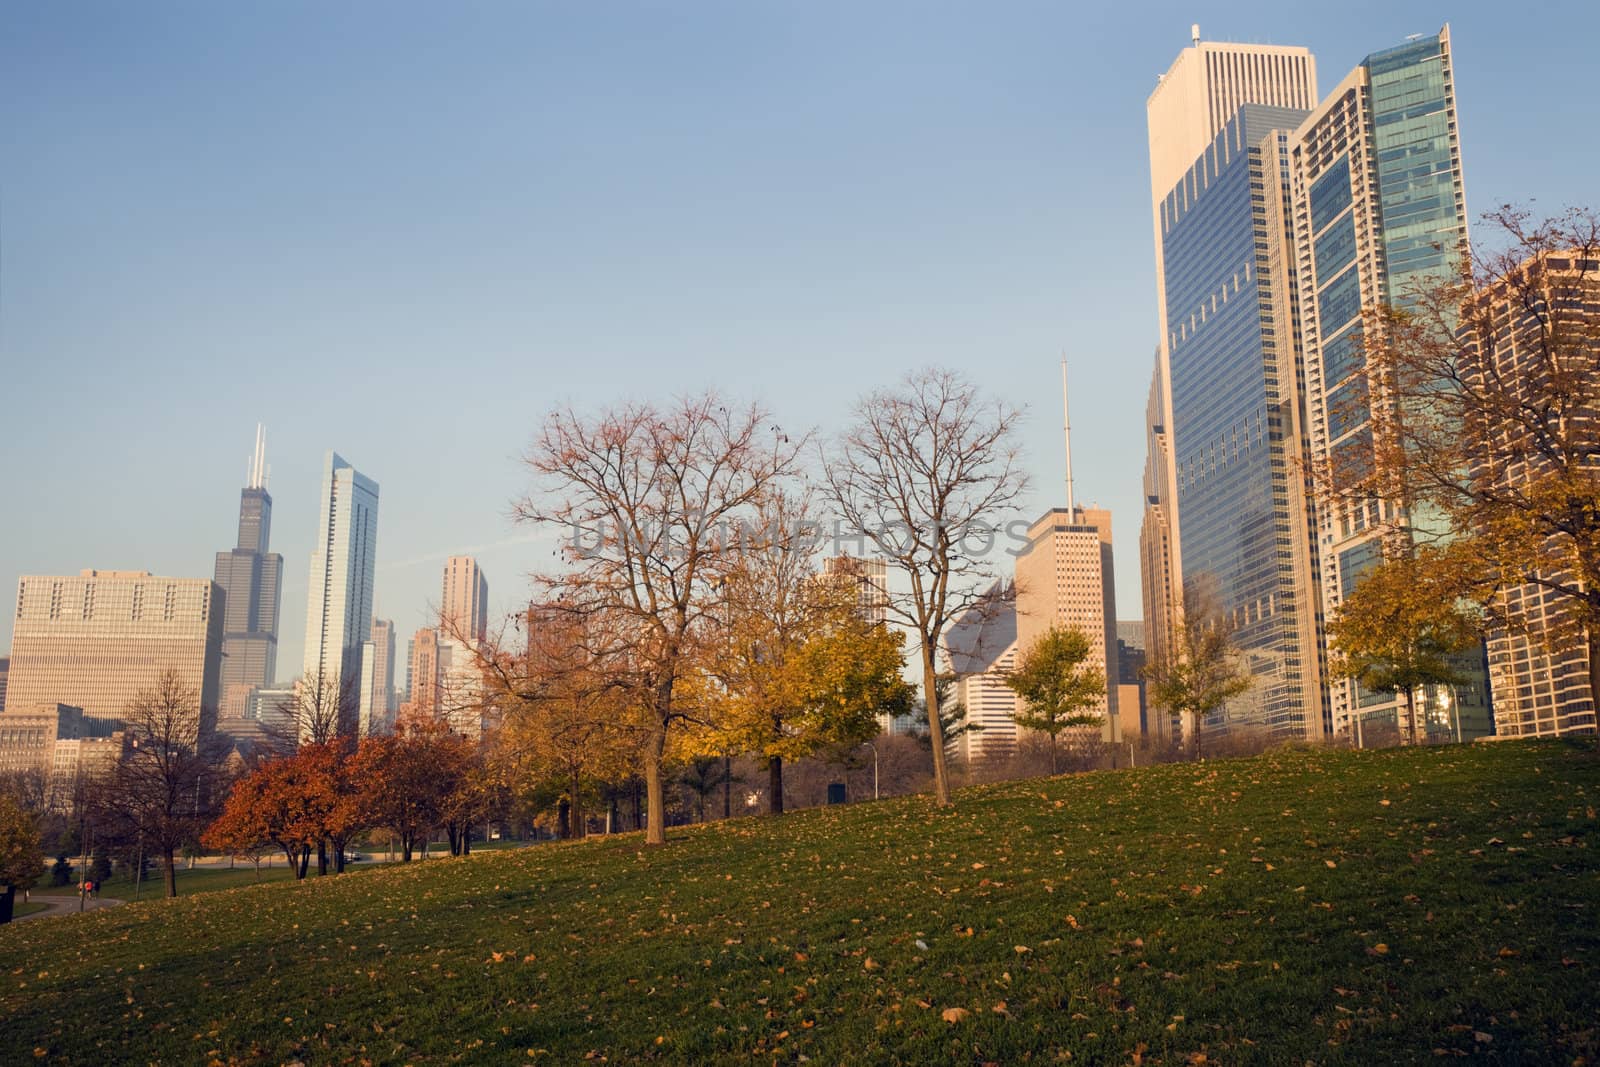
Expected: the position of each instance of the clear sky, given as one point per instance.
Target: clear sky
(403, 231)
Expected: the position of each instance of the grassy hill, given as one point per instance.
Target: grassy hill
(1333, 907)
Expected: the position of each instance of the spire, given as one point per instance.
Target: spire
(258, 461)
(1066, 432)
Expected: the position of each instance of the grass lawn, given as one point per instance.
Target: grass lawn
(1333, 907)
(19, 909)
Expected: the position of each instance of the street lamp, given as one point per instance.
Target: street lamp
(874, 748)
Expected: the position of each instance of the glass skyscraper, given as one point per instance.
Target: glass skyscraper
(1379, 207)
(339, 592)
(1234, 365)
(252, 578)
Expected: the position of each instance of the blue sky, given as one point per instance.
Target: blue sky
(403, 231)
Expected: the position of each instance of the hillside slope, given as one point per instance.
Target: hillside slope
(1326, 906)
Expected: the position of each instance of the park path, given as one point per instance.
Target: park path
(65, 906)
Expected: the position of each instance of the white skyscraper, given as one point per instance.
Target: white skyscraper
(339, 593)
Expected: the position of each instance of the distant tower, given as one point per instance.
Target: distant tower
(377, 679)
(464, 599)
(1064, 578)
(251, 579)
(339, 592)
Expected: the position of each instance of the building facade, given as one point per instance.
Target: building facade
(423, 674)
(98, 640)
(981, 647)
(464, 599)
(1546, 315)
(1065, 578)
(5, 671)
(1234, 367)
(871, 579)
(251, 578)
(61, 747)
(343, 557)
(377, 680)
(1378, 207)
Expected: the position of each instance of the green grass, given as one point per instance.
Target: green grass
(1334, 907)
(19, 909)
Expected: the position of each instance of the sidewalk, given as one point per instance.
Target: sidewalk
(65, 906)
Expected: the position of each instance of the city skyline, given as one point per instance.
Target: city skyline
(432, 514)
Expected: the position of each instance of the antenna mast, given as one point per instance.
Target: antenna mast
(258, 460)
(1066, 433)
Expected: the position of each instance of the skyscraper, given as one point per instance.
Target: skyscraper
(339, 592)
(1225, 387)
(250, 577)
(97, 640)
(982, 647)
(1065, 578)
(1233, 370)
(1533, 334)
(870, 577)
(5, 671)
(423, 673)
(1192, 103)
(377, 679)
(464, 599)
(1378, 206)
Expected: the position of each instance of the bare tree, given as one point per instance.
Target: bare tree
(162, 791)
(928, 473)
(320, 707)
(646, 497)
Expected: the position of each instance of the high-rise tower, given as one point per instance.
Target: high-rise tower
(339, 592)
(251, 578)
(464, 599)
(1378, 206)
(1226, 512)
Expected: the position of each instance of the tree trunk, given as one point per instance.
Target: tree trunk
(1055, 765)
(305, 861)
(930, 694)
(574, 787)
(1194, 727)
(655, 796)
(1593, 635)
(322, 857)
(171, 872)
(727, 782)
(338, 857)
(775, 784)
(405, 848)
(1411, 716)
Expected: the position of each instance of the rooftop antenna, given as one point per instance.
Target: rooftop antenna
(1194, 32)
(1066, 433)
(258, 460)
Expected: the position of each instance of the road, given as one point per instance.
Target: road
(65, 906)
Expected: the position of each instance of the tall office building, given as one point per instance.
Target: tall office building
(982, 649)
(423, 673)
(871, 580)
(1233, 371)
(1198, 96)
(377, 680)
(464, 599)
(1204, 157)
(98, 640)
(1158, 582)
(1378, 206)
(1065, 578)
(250, 577)
(5, 671)
(1539, 668)
(339, 593)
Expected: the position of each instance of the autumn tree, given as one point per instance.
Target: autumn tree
(1199, 670)
(21, 857)
(927, 473)
(1404, 626)
(406, 778)
(646, 498)
(1057, 685)
(796, 666)
(1486, 424)
(273, 805)
(321, 705)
